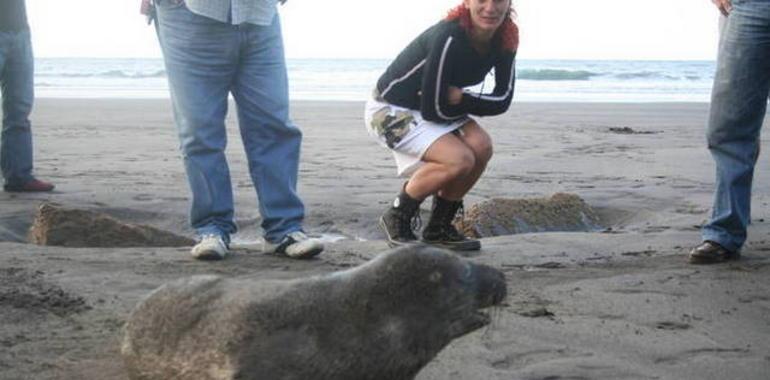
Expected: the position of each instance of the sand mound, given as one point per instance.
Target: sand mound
(59, 226)
(503, 216)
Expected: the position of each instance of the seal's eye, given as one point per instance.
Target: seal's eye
(467, 272)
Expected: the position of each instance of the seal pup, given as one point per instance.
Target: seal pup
(383, 320)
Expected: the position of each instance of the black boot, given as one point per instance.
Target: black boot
(441, 232)
(397, 220)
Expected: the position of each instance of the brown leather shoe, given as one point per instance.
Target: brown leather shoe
(710, 252)
(33, 186)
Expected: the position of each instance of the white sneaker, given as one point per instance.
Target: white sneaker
(296, 245)
(210, 247)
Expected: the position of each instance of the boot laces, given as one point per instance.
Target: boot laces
(449, 228)
(408, 226)
(416, 222)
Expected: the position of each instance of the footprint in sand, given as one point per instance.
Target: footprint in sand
(669, 325)
(690, 355)
(143, 197)
(30, 291)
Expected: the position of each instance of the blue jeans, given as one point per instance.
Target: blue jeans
(16, 81)
(205, 61)
(738, 103)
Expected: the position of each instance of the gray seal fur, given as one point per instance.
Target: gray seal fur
(385, 319)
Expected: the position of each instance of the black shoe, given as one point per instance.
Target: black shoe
(441, 232)
(449, 238)
(710, 252)
(400, 220)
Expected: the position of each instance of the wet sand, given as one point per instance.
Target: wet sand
(619, 303)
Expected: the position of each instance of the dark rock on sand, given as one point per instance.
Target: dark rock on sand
(59, 226)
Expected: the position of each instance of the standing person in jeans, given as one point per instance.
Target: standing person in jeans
(18, 93)
(738, 104)
(213, 48)
(420, 111)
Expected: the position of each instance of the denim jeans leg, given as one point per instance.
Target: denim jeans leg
(200, 57)
(16, 81)
(738, 104)
(271, 141)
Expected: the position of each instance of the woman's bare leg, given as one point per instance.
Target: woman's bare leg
(448, 160)
(480, 144)
(453, 164)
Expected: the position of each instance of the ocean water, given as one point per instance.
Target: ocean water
(353, 79)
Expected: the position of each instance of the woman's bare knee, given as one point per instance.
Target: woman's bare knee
(478, 141)
(484, 152)
(465, 163)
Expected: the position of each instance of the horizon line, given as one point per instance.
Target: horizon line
(382, 59)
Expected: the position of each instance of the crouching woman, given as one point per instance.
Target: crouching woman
(421, 112)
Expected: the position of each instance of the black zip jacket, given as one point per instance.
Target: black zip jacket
(440, 57)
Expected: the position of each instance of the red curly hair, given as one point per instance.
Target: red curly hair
(506, 36)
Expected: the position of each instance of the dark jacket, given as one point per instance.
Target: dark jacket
(440, 57)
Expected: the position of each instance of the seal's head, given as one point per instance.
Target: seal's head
(432, 285)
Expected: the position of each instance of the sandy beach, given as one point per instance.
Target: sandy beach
(616, 303)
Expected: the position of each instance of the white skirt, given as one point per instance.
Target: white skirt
(405, 132)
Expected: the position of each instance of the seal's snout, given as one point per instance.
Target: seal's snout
(491, 288)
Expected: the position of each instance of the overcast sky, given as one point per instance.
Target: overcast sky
(550, 29)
